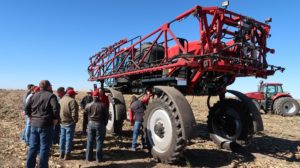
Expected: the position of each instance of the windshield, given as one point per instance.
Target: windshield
(279, 89)
(271, 90)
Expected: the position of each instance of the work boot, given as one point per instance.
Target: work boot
(68, 156)
(83, 133)
(99, 159)
(61, 155)
(145, 147)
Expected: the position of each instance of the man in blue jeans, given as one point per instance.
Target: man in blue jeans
(60, 92)
(27, 126)
(43, 109)
(98, 117)
(24, 136)
(68, 118)
(138, 108)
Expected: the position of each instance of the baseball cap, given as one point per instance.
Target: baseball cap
(95, 94)
(36, 89)
(71, 92)
(69, 88)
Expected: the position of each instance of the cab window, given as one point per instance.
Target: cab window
(279, 89)
(271, 89)
(263, 89)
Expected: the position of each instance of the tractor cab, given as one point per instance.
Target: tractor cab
(270, 92)
(270, 89)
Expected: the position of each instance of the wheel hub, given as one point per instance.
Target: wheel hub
(111, 117)
(289, 107)
(159, 129)
(227, 124)
(230, 125)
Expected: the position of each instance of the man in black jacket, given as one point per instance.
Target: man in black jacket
(98, 117)
(86, 100)
(43, 110)
(138, 108)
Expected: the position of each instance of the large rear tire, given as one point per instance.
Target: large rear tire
(167, 130)
(229, 123)
(117, 112)
(286, 106)
(113, 126)
(256, 104)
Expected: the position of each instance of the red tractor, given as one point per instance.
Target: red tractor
(226, 46)
(271, 98)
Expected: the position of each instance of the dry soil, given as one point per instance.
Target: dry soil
(277, 146)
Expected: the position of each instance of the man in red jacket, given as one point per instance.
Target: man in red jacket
(145, 100)
(103, 98)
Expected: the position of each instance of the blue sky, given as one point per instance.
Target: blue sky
(53, 40)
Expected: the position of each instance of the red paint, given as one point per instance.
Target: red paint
(278, 95)
(130, 115)
(145, 100)
(255, 95)
(210, 52)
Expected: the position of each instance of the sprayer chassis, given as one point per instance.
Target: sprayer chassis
(229, 45)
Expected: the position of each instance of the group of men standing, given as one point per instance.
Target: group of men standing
(52, 118)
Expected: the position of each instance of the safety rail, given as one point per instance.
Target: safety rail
(244, 51)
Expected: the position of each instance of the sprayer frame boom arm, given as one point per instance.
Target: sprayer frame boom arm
(214, 54)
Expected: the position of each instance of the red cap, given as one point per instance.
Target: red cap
(36, 89)
(71, 92)
(95, 94)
